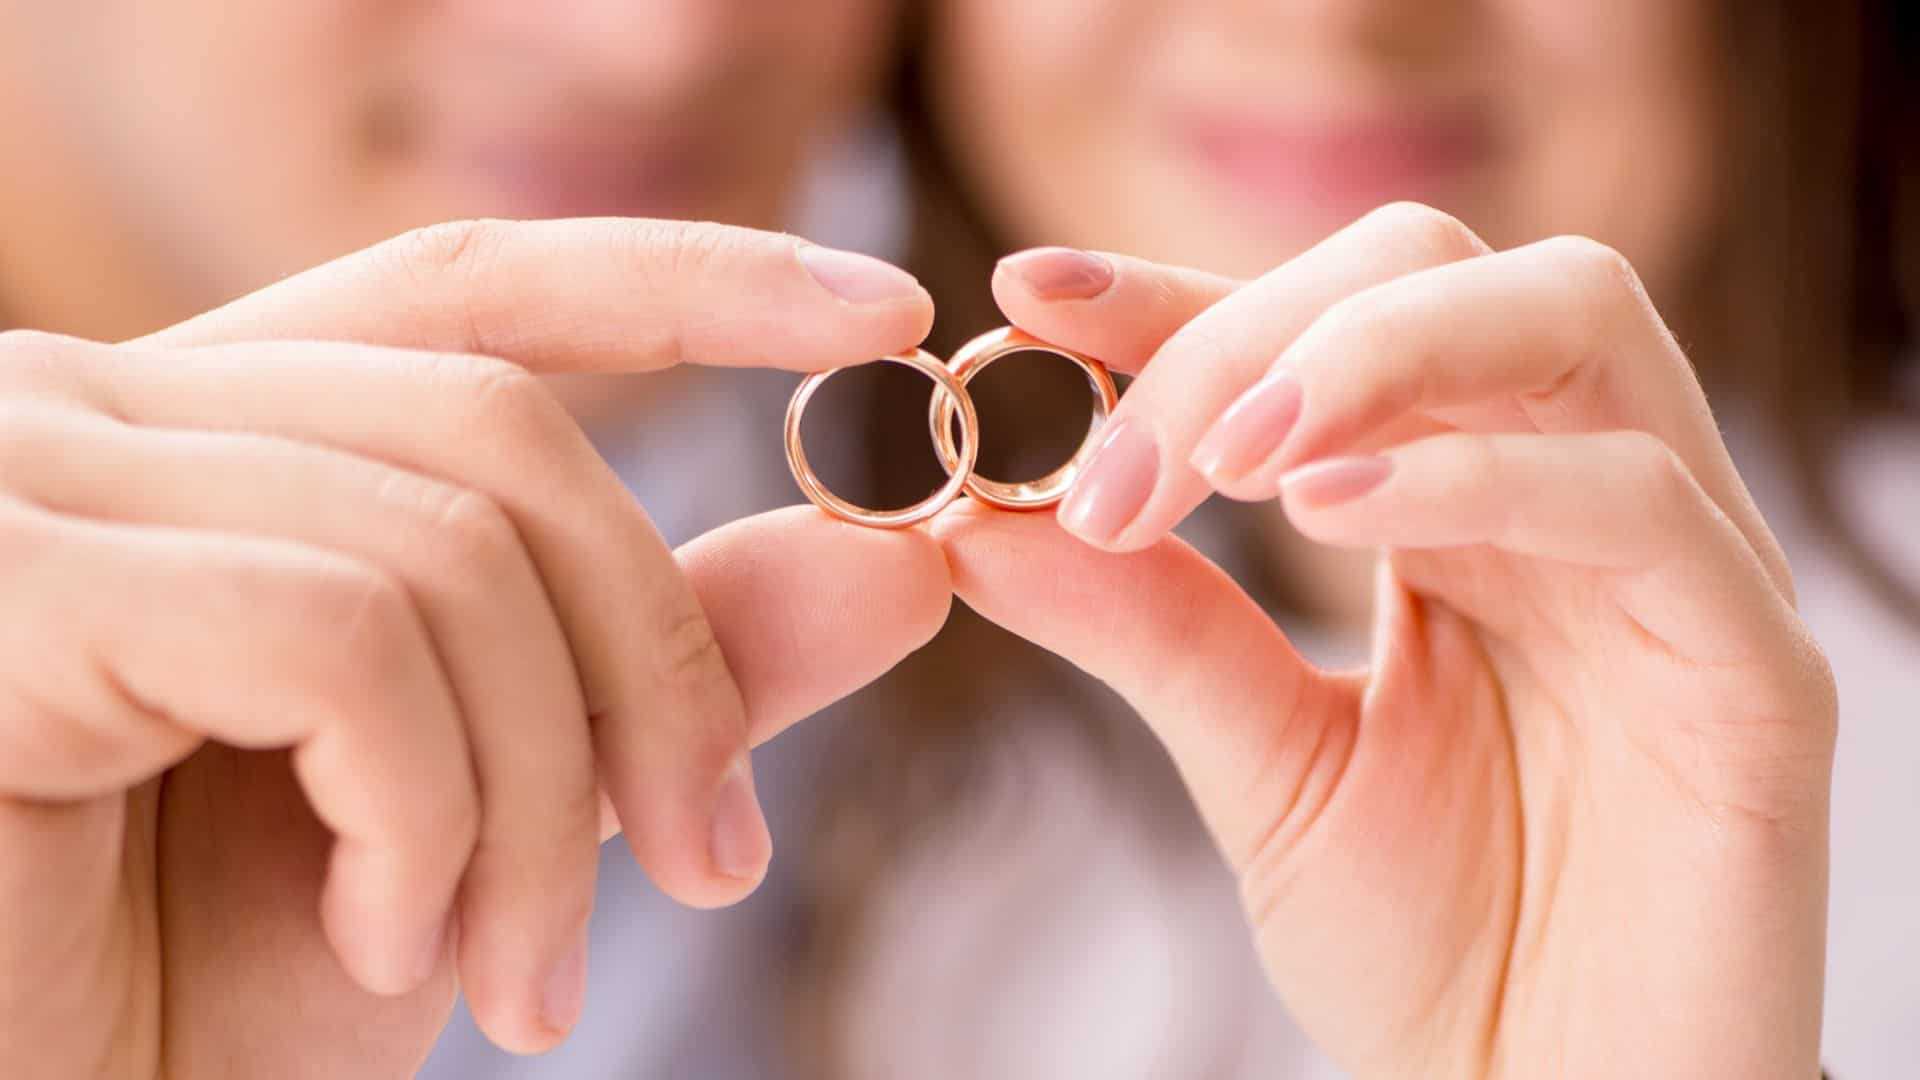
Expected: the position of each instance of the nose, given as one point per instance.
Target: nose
(650, 49)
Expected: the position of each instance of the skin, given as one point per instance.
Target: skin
(271, 785)
(368, 625)
(1571, 820)
(326, 666)
(145, 177)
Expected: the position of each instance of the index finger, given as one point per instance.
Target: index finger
(591, 294)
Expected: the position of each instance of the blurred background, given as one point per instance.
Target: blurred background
(999, 875)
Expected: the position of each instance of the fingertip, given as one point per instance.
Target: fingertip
(897, 310)
(808, 608)
(1052, 275)
(741, 844)
(375, 945)
(858, 279)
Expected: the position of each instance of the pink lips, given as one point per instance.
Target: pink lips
(1341, 168)
(538, 175)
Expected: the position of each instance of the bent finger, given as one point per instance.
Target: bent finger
(668, 727)
(1114, 307)
(1140, 484)
(1560, 332)
(1248, 722)
(145, 633)
(1621, 502)
(527, 893)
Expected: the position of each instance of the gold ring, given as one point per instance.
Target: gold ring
(947, 390)
(958, 461)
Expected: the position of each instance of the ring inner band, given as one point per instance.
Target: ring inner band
(958, 461)
(948, 389)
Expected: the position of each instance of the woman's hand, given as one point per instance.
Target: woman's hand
(1572, 820)
(319, 663)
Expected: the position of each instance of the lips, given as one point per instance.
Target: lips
(1339, 166)
(538, 176)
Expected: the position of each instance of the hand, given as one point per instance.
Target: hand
(1572, 820)
(316, 656)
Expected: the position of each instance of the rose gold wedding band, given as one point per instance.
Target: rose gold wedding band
(958, 461)
(947, 390)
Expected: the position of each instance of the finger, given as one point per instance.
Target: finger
(1560, 330)
(807, 609)
(1114, 307)
(592, 294)
(145, 640)
(1249, 724)
(62, 890)
(668, 727)
(1139, 484)
(1620, 502)
(527, 893)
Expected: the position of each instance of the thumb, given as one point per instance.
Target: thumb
(1246, 720)
(807, 609)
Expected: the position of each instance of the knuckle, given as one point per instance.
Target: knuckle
(31, 345)
(473, 532)
(1665, 475)
(369, 615)
(22, 434)
(1435, 234)
(1369, 323)
(1478, 460)
(453, 531)
(492, 400)
(36, 433)
(26, 532)
(34, 359)
(452, 249)
(685, 650)
(681, 248)
(511, 400)
(1594, 264)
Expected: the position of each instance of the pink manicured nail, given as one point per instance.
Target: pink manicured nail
(1057, 273)
(566, 990)
(1335, 481)
(856, 278)
(1116, 485)
(741, 843)
(1251, 429)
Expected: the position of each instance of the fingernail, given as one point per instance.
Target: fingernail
(1115, 486)
(1057, 273)
(1338, 480)
(741, 843)
(566, 989)
(1251, 429)
(856, 278)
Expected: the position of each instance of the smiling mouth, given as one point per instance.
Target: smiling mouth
(1341, 166)
(533, 176)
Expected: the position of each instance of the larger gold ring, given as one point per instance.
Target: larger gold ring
(972, 359)
(947, 388)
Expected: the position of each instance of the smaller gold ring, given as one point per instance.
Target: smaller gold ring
(958, 461)
(948, 389)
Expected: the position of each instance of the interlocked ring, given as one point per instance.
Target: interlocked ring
(950, 399)
(946, 388)
(972, 359)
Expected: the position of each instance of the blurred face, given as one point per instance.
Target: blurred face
(238, 140)
(1230, 134)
